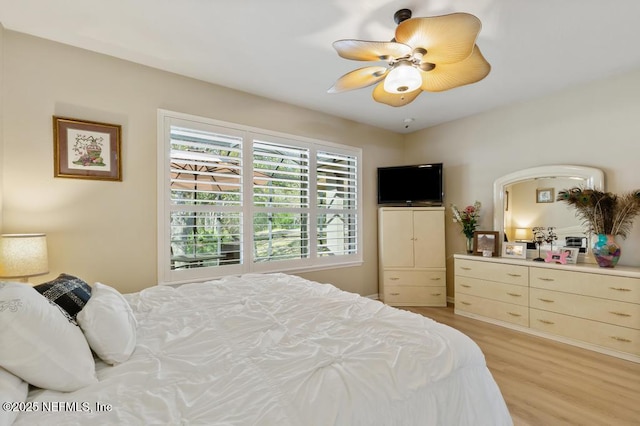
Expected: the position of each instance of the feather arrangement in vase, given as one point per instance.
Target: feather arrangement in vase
(606, 215)
(603, 212)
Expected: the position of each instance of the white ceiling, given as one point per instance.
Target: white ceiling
(281, 49)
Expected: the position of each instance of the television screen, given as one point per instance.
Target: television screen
(419, 184)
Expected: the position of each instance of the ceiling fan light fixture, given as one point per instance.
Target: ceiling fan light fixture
(431, 54)
(403, 78)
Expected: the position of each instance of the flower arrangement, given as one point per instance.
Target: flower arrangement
(467, 218)
(603, 212)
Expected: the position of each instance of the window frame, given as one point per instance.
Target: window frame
(167, 276)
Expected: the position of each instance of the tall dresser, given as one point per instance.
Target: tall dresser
(584, 305)
(412, 256)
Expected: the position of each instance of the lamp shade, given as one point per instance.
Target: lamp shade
(404, 77)
(23, 255)
(522, 234)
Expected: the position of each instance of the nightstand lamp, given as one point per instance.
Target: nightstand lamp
(23, 256)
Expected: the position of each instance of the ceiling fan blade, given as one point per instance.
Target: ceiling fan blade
(448, 76)
(360, 50)
(447, 38)
(357, 79)
(394, 99)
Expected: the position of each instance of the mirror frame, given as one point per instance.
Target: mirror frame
(593, 178)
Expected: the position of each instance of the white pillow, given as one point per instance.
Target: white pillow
(42, 346)
(12, 389)
(108, 324)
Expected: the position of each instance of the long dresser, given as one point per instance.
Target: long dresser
(584, 305)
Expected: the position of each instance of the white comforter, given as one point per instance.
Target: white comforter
(280, 350)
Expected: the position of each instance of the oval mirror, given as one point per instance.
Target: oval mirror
(527, 198)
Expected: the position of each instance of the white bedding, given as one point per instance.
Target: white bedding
(279, 350)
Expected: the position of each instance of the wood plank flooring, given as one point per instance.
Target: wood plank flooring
(547, 383)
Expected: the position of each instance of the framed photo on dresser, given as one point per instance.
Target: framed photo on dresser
(572, 254)
(514, 250)
(485, 241)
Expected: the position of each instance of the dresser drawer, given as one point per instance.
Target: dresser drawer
(504, 273)
(509, 293)
(415, 296)
(609, 311)
(413, 278)
(604, 286)
(609, 336)
(507, 312)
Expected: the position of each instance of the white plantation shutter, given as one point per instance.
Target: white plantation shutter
(206, 168)
(336, 176)
(286, 172)
(206, 198)
(232, 199)
(284, 200)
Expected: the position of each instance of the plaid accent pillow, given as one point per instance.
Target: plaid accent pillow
(67, 292)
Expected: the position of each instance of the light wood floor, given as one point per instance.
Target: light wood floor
(547, 383)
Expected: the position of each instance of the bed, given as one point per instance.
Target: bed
(273, 349)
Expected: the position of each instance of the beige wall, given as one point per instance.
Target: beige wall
(594, 125)
(106, 231)
(1, 118)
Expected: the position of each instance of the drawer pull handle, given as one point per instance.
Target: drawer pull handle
(393, 278)
(513, 314)
(464, 268)
(466, 303)
(465, 285)
(546, 279)
(620, 314)
(435, 279)
(546, 300)
(621, 339)
(546, 322)
(395, 294)
(514, 275)
(620, 289)
(514, 294)
(436, 294)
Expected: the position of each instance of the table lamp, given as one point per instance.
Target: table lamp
(522, 234)
(23, 256)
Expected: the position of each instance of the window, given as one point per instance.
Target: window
(234, 199)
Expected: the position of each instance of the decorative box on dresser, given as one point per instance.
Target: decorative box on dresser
(412, 256)
(584, 305)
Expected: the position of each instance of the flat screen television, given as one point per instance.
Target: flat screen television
(418, 184)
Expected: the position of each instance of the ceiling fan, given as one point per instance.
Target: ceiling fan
(433, 54)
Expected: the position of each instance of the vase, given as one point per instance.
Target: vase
(469, 245)
(606, 251)
(93, 151)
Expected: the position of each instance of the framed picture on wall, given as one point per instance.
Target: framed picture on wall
(514, 250)
(544, 195)
(86, 149)
(485, 240)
